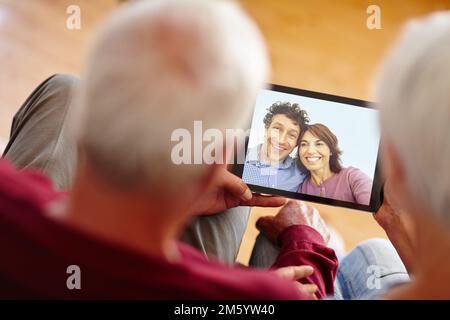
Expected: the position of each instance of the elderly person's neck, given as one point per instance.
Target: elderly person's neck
(128, 218)
(431, 261)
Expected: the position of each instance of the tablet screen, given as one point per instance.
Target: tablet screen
(314, 146)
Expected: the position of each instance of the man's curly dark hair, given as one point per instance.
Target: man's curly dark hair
(292, 111)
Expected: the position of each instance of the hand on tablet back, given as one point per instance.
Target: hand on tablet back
(390, 212)
(397, 225)
(227, 191)
(294, 212)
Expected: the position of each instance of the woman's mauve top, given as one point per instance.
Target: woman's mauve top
(351, 185)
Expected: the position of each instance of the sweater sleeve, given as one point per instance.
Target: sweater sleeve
(361, 185)
(302, 245)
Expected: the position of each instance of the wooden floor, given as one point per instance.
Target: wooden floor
(318, 45)
(325, 46)
(35, 43)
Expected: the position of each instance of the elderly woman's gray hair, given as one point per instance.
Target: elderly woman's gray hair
(413, 92)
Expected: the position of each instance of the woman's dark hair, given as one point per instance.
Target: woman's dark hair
(292, 111)
(329, 138)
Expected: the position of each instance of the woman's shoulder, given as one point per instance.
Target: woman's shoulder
(354, 170)
(354, 174)
(349, 170)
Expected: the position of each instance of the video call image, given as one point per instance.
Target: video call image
(312, 146)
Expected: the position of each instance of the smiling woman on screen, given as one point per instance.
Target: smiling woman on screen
(319, 159)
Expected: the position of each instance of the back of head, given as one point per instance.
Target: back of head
(414, 98)
(157, 66)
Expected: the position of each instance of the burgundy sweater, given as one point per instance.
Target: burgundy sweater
(35, 252)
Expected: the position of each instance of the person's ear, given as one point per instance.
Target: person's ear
(392, 165)
(395, 174)
(266, 133)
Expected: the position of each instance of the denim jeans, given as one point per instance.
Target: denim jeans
(366, 272)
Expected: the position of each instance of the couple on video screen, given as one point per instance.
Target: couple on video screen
(315, 170)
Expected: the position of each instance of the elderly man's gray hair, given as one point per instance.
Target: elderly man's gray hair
(157, 66)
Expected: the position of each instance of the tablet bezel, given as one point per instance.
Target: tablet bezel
(375, 198)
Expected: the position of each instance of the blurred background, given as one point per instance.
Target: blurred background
(320, 45)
